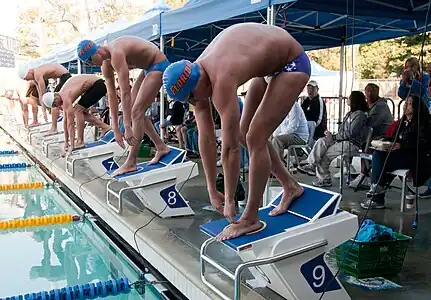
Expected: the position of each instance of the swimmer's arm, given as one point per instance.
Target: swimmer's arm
(119, 64)
(66, 132)
(69, 113)
(108, 73)
(226, 103)
(207, 143)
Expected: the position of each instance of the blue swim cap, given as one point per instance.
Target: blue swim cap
(86, 49)
(180, 78)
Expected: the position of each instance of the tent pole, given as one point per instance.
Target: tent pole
(267, 192)
(162, 100)
(340, 112)
(79, 67)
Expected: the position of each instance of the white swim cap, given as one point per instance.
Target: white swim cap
(23, 70)
(48, 99)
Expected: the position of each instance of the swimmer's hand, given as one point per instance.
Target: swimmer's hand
(217, 200)
(129, 137)
(229, 211)
(119, 137)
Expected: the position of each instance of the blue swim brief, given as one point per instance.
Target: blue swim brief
(160, 67)
(299, 64)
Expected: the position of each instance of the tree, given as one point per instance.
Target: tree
(64, 22)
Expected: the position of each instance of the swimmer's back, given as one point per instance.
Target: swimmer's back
(249, 50)
(139, 53)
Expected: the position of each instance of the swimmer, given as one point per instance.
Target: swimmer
(31, 98)
(40, 75)
(119, 56)
(76, 97)
(278, 69)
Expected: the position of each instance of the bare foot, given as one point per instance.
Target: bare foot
(104, 131)
(288, 197)
(51, 132)
(124, 169)
(34, 124)
(238, 229)
(159, 154)
(79, 145)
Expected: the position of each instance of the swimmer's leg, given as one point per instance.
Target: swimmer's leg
(88, 117)
(147, 93)
(35, 110)
(276, 104)
(24, 109)
(55, 112)
(80, 125)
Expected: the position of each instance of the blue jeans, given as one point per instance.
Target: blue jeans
(244, 157)
(165, 123)
(396, 160)
(192, 140)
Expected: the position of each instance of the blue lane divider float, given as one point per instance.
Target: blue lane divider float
(81, 292)
(14, 166)
(8, 152)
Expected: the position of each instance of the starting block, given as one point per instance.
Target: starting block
(156, 185)
(106, 146)
(55, 139)
(40, 129)
(287, 253)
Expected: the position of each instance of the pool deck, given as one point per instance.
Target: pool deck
(172, 245)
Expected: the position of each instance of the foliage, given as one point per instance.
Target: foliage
(381, 59)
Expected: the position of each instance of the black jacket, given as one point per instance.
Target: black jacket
(407, 136)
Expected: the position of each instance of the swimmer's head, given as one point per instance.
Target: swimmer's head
(23, 71)
(180, 79)
(87, 52)
(51, 100)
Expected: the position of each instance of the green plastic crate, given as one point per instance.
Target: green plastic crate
(372, 259)
(144, 151)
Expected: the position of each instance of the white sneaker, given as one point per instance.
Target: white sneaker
(219, 163)
(365, 183)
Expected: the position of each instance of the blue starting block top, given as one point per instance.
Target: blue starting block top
(175, 156)
(312, 205)
(109, 137)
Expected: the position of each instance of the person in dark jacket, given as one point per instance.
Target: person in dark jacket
(315, 109)
(404, 152)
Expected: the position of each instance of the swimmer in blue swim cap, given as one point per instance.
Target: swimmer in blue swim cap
(40, 75)
(120, 56)
(278, 69)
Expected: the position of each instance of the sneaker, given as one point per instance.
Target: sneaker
(365, 182)
(219, 163)
(375, 190)
(372, 205)
(426, 194)
(322, 182)
(308, 169)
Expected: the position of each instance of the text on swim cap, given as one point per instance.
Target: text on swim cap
(176, 87)
(86, 48)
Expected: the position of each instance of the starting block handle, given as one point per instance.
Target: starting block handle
(253, 263)
(119, 210)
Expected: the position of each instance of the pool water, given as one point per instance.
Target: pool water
(47, 258)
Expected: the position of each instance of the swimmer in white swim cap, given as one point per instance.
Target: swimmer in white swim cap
(240, 53)
(75, 98)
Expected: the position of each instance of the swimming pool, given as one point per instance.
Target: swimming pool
(52, 257)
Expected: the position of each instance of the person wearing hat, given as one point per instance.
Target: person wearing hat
(119, 56)
(315, 110)
(40, 75)
(279, 69)
(75, 98)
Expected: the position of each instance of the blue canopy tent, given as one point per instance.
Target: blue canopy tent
(329, 23)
